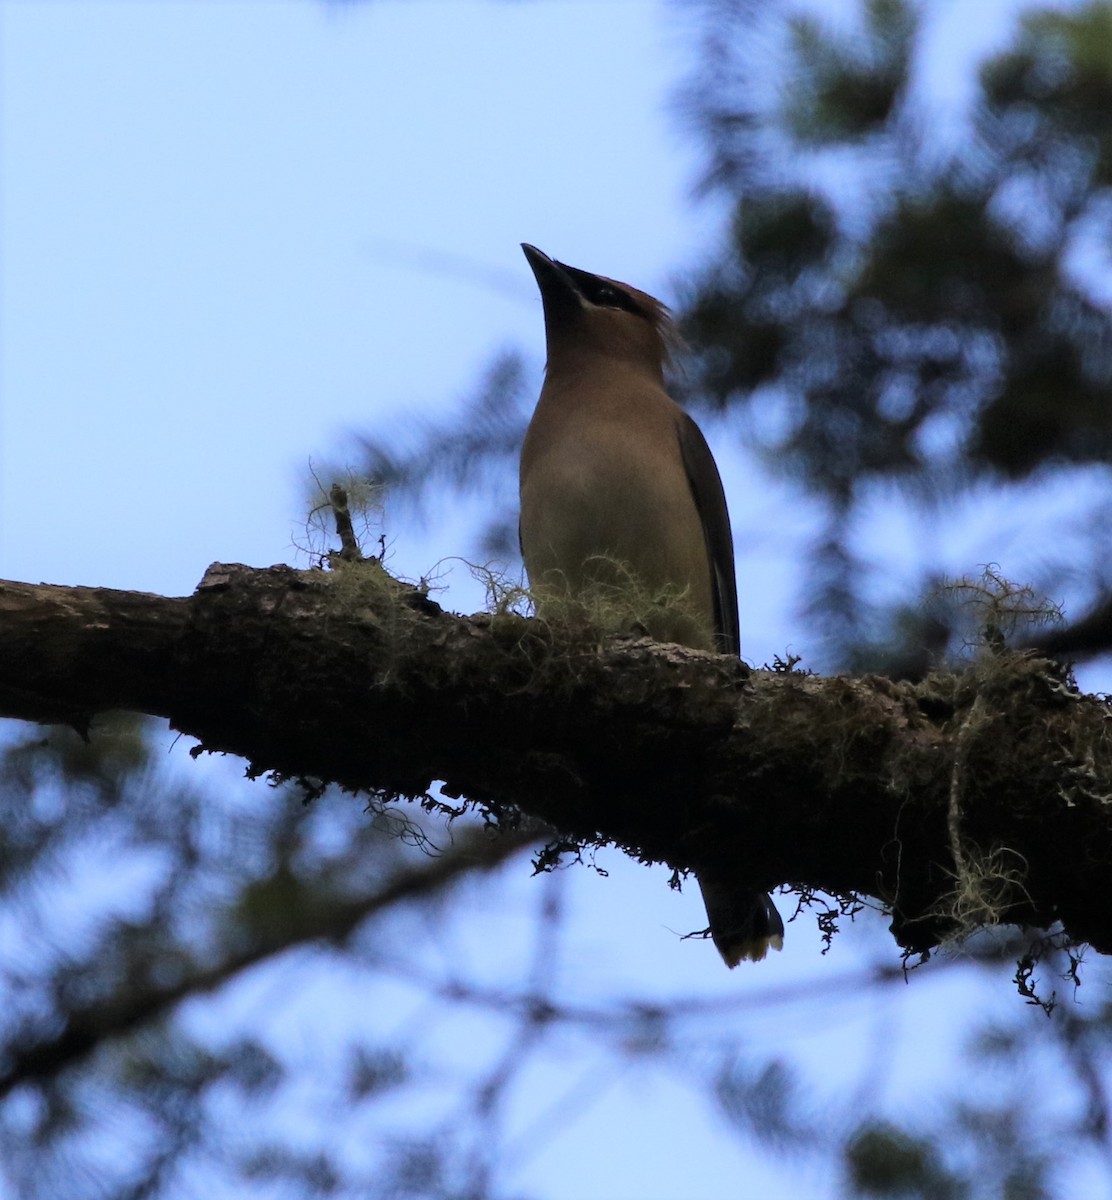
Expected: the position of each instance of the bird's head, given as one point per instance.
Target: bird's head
(585, 313)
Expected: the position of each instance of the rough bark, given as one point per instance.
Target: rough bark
(964, 799)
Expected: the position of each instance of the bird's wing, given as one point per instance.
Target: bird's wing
(710, 501)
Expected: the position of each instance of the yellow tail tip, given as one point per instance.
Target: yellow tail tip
(750, 951)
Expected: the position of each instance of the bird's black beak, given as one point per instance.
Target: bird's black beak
(557, 285)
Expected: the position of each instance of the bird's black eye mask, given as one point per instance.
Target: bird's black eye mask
(604, 294)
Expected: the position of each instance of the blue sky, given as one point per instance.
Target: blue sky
(214, 217)
(206, 212)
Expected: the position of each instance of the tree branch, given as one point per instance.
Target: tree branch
(325, 919)
(676, 756)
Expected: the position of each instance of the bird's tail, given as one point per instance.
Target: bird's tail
(743, 924)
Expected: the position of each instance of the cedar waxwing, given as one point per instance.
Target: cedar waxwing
(619, 489)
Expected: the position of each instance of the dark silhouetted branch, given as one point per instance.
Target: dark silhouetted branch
(844, 785)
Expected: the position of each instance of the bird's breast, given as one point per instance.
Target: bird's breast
(605, 498)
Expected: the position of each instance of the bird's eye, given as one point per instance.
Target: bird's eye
(610, 297)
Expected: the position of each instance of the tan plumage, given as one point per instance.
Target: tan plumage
(617, 482)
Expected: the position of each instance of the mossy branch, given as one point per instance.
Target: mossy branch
(850, 786)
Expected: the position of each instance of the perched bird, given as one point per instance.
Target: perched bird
(619, 489)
